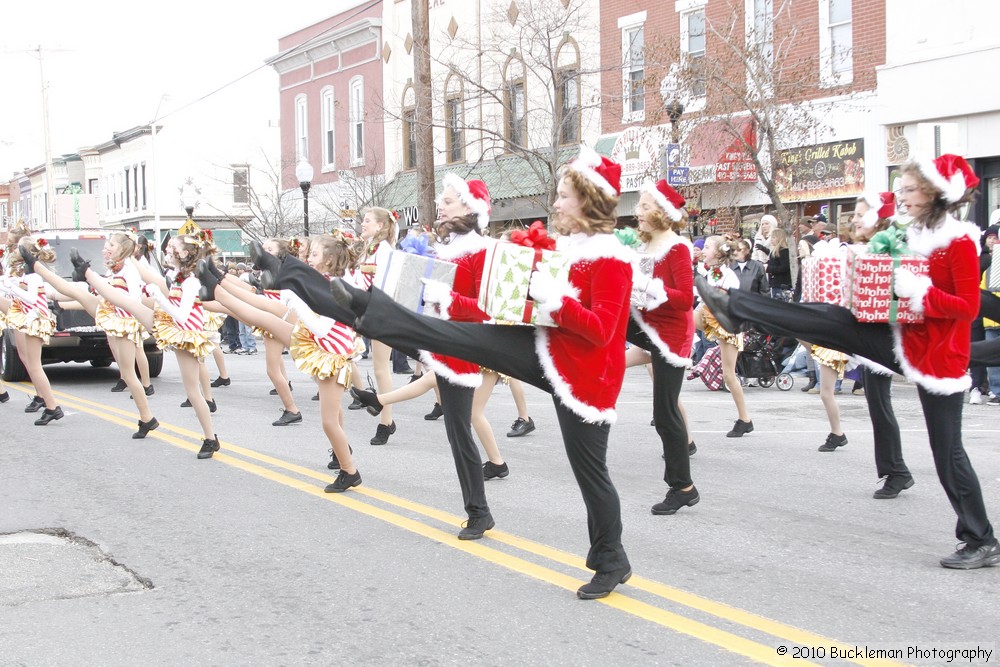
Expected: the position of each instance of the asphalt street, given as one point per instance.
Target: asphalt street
(122, 552)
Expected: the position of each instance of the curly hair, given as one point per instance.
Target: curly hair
(196, 250)
(597, 206)
(725, 247)
(940, 207)
(462, 224)
(658, 219)
(339, 253)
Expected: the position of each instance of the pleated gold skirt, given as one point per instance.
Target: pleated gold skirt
(171, 337)
(115, 325)
(313, 360)
(37, 326)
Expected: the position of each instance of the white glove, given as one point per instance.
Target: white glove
(906, 283)
(655, 294)
(154, 291)
(640, 280)
(435, 291)
(542, 288)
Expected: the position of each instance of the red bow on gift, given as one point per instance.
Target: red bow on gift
(536, 237)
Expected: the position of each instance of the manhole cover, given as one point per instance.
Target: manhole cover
(54, 564)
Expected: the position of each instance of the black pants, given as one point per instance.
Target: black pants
(885, 428)
(987, 353)
(943, 415)
(667, 415)
(509, 350)
(834, 327)
(456, 404)
(400, 363)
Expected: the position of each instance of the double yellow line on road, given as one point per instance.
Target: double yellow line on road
(788, 635)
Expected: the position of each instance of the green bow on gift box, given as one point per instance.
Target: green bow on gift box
(627, 237)
(890, 241)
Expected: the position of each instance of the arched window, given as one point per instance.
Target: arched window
(515, 104)
(409, 117)
(568, 92)
(326, 110)
(356, 119)
(454, 118)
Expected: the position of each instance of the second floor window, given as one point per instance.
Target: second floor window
(409, 139)
(693, 26)
(634, 69)
(453, 128)
(357, 121)
(516, 108)
(841, 39)
(568, 104)
(241, 184)
(326, 110)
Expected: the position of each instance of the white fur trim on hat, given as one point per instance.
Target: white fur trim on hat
(561, 388)
(952, 188)
(661, 201)
(586, 164)
(478, 206)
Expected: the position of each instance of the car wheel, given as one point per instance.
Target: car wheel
(155, 363)
(100, 363)
(13, 368)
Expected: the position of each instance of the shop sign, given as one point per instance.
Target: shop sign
(824, 171)
(637, 150)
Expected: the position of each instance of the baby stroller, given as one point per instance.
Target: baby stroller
(760, 360)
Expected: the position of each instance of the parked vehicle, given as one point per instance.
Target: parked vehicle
(76, 337)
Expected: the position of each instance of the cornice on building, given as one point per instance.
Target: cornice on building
(326, 45)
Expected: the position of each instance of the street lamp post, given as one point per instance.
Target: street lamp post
(304, 172)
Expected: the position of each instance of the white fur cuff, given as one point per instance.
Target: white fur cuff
(656, 295)
(921, 286)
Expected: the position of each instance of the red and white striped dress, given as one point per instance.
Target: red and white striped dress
(115, 320)
(184, 328)
(325, 350)
(29, 309)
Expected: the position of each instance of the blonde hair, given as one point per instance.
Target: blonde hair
(196, 250)
(339, 253)
(597, 206)
(384, 217)
(940, 207)
(44, 254)
(778, 238)
(124, 241)
(658, 219)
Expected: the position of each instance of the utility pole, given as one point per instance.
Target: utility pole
(422, 114)
(50, 185)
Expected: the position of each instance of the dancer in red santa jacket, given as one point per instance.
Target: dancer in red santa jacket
(580, 361)
(663, 323)
(934, 353)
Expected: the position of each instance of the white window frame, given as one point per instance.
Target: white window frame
(828, 77)
(627, 25)
(686, 9)
(356, 102)
(328, 135)
(301, 128)
(245, 188)
(763, 43)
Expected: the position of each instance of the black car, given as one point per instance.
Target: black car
(76, 337)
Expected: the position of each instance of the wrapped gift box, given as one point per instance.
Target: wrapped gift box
(507, 270)
(823, 281)
(645, 263)
(993, 277)
(871, 281)
(401, 277)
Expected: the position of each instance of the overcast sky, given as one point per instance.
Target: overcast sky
(109, 63)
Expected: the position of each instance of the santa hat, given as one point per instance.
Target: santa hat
(666, 197)
(599, 170)
(474, 194)
(880, 205)
(950, 174)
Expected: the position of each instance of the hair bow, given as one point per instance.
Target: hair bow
(536, 237)
(627, 237)
(41, 243)
(416, 245)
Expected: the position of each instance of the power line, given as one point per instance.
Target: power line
(359, 10)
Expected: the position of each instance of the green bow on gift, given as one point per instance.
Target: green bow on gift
(891, 241)
(627, 237)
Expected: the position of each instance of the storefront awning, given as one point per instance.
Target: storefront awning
(718, 152)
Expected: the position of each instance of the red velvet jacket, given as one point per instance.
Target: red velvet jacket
(670, 326)
(583, 357)
(467, 252)
(935, 353)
